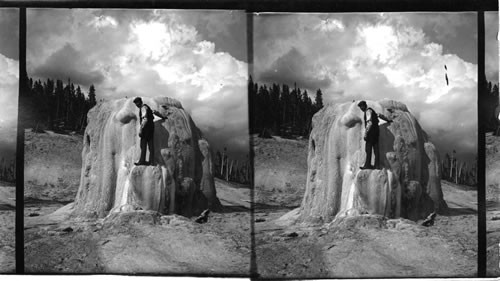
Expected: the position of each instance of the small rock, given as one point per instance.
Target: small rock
(67, 229)
(260, 220)
(33, 215)
(429, 221)
(292, 234)
(203, 218)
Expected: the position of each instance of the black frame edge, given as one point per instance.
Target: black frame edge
(20, 148)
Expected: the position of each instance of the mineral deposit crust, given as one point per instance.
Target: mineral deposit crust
(180, 181)
(408, 184)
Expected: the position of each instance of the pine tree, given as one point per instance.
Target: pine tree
(92, 98)
(56, 105)
(319, 99)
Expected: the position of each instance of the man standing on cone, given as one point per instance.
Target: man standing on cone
(146, 131)
(371, 135)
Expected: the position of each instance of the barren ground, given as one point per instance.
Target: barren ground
(280, 171)
(138, 242)
(7, 227)
(493, 204)
(365, 246)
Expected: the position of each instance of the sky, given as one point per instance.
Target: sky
(372, 56)
(196, 57)
(9, 81)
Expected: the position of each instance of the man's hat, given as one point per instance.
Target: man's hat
(362, 104)
(137, 100)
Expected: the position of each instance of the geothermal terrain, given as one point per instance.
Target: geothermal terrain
(7, 227)
(492, 204)
(131, 243)
(280, 171)
(363, 246)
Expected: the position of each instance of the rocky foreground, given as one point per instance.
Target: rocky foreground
(7, 227)
(493, 204)
(370, 245)
(142, 241)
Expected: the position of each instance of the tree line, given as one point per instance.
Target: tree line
(281, 110)
(459, 172)
(8, 170)
(490, 103)
(54, 105)
(233, 170)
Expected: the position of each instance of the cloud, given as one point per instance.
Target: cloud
(226, 30)
(9, 32)
(103, 21)
(152, 53)
(69, 63)
(376, 56)
(9, 81)
(294, 67)
(9, 88)
(400, 63)
(211, 85)
(329, 25)
(456, 32)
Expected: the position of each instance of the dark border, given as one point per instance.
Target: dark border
(251, 6)
(253, 254)
(20, 148)
(481, 150)
(370, 6)
(270, 5)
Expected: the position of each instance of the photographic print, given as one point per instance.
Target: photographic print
(136, 149)
(489, 91)
(9, 89)
(364, 129)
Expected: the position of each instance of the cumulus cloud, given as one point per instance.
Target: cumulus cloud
(9, 88)
(151, 53)
(9, 33)
(456, 32)
(294, 67)
(226, 30)
(400, 63)
(9, 85)
(9, 81)
(69, 63)
(385, 56)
